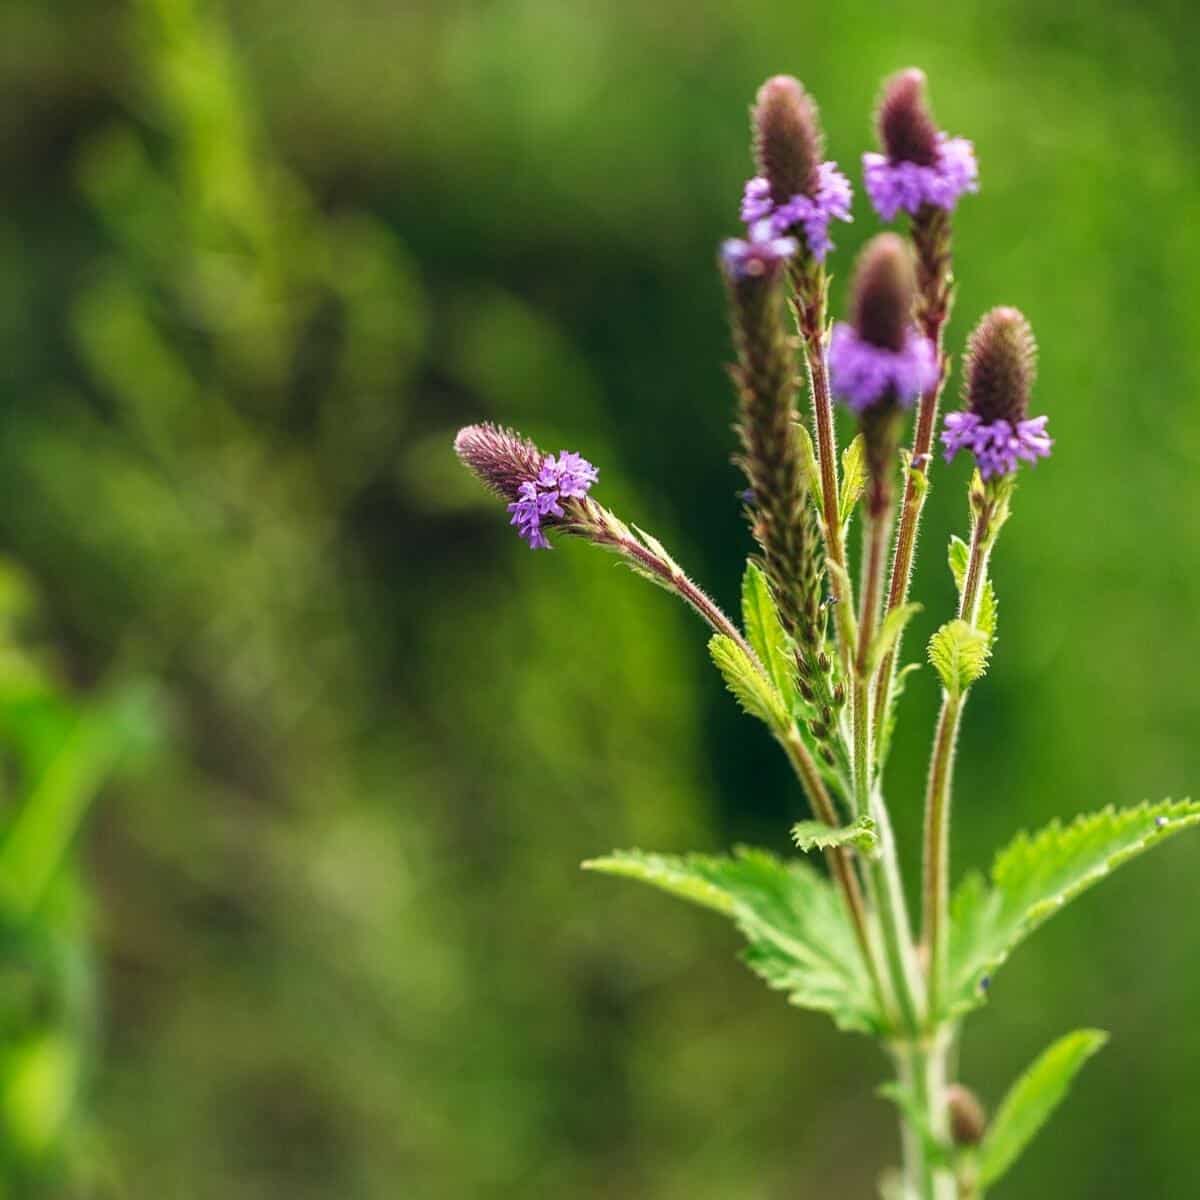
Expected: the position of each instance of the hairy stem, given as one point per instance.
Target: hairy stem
(935, 916)
(837, 857)
(935, 294)
(886, 884)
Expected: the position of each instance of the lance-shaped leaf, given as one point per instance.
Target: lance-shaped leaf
(890, 630)
(854, 477)
(800, 939)
(959, 655)
(765, 633)
(1034, 876)
(816, 835)
(750, 687)
(1031, 1101)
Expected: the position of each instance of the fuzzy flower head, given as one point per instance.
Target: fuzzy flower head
(794, 189)
(995, 425)
(880, 357)
(919, 165)
(535, 484)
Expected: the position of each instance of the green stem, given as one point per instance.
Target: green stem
(887, 889)
(935, 917)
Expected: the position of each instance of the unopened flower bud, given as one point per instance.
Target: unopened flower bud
(787, 138)
(906, 127)
(1000, 366)
(968, 1121)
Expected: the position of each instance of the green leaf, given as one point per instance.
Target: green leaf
(800, 939)
(766, 634)
(816, 835)
(1031, 1101)
(854, 477)
(808, 459)
(960, 556)
(1034, 876)
(959, 654)
(750, 687)
(891, 629)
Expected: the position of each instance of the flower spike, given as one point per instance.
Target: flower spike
(920, 166)
(995, 426)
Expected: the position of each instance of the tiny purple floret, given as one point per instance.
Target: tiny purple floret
(568, 476)
(997, 447)
(862, 373)
(759, 255)
(811, 214)
(893, 186)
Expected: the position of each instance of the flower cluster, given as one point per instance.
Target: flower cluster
(794, 191)
(893, 186)
(810, 214)
(998, 375)
(919, 165)
(881, 356)
(864, 373)
(567, 476)
(998, 446)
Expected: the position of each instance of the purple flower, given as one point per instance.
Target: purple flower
(534, 483)
(998, 377)
(862, 373)
(758, 256)
(811, 214)
(569, 476)
(895, 185)
(998, 446)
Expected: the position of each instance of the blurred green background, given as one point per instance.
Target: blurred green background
(258, 261)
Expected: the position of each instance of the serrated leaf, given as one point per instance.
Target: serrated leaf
(800, 939)
(751, 688)
(1031, 1101)
(816, 835)
(959, 558)
(1034, 876)
(959, 654)
(854, 477)
(890, 630)
(765, 633)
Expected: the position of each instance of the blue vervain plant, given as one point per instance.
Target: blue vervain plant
(815, 658)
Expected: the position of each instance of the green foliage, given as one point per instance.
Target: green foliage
(766, 634)
(959, 654)
(750, 687)
(959, 557)
(890, 631)
(1031, 1101)
(815, 835)
(1034, 876)
(800, 939)
(854, 477)
(937, 1151)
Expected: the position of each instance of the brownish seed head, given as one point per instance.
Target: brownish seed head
(1000, 367)
(787, 138)
(906, 127)
(501, 459)
(968, 1121)
(884, 287)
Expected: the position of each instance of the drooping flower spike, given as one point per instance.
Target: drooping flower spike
(794, 190)
(535, 484)
(881, 357)
(920, 166)
(998, 378)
